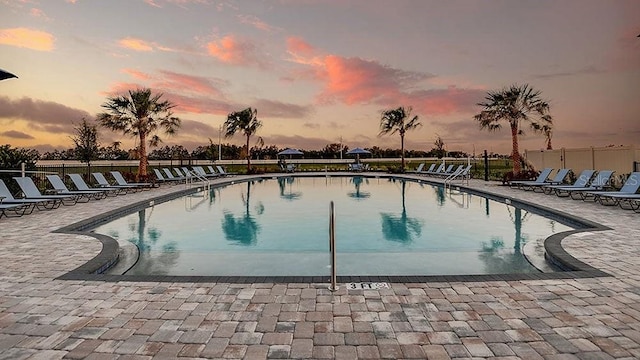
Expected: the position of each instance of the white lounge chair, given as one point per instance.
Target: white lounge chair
(30, 191)
(599, 183)
(629, 190)
(79, 183)
(222, 171)
(102, 182)
(582, 181)
(61, 189)
(557, 180)
(540, 180)
(8, 199)
(122, 182)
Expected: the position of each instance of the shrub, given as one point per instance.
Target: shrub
(522, 175)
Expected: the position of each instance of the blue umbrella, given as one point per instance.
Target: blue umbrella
(6, 75)
(358, 151)
(290, 151)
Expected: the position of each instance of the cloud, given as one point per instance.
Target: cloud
(297, 141)
(270, 108)
(38, 13)
(27, 38)
(436, 102)
(233, 50)
(355, 81)
(40, 115)
(140, 45)
(257, 23)
(16, 135)
(202, 95)
(584, 71)
(190, 83)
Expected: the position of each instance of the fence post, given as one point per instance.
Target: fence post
(486, 166)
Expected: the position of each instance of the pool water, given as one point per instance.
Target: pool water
(280, 226)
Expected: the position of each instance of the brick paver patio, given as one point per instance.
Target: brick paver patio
(45, 318)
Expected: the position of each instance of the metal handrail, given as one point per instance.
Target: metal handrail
(464, 174)
(332, 246)
(192, 174)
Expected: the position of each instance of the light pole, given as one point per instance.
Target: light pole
(220, 143)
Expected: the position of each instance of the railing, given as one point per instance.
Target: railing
(464, 175)
(332, 246)
(192, 174)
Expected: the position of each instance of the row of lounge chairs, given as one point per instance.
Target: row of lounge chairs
(448, 173)
(184, 173)
(589, 185)
(60, 194)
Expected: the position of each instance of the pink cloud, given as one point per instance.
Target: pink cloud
(27, 38)
(200, 95)
(35, 12)
(256, 23)
(236, 51)
(439, 101)
(353, 81)
(135, 44)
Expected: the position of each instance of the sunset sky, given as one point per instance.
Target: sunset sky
(322, 71)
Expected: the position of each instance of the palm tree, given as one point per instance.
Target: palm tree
(516, 104)
(246, 121)
(393, 121)
(547, 130)
(140, 114)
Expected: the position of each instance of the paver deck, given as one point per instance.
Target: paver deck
(45, 318)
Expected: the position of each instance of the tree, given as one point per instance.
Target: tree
(86, 141)
(547, 130)
(140, 114)
(393, 121)
(12, 159)
(515, 105)
(245, 121)
(439, 147)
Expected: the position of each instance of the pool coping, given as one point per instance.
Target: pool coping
(93, 270)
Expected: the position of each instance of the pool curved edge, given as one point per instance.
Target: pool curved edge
(94, 269)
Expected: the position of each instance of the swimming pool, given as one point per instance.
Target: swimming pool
(384, 226)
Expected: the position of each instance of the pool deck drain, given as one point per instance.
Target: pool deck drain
(574, 318)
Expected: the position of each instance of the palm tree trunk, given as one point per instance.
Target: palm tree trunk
(515, 155)
(142, 152)
(248, 155)
(402, 152)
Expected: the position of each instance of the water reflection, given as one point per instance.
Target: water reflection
(440, 195)
(499, 259)
(400, 227)
(357, 183)
(243, 229)
(287, 182)
(146, 238)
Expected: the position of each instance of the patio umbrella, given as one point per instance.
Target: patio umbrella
(357, 152)
(6, 75)
(290, 151)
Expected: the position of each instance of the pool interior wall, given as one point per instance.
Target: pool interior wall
(95, 269)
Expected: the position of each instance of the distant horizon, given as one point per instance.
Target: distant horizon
(321, 72)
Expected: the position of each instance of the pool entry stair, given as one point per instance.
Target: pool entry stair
(332, 245)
